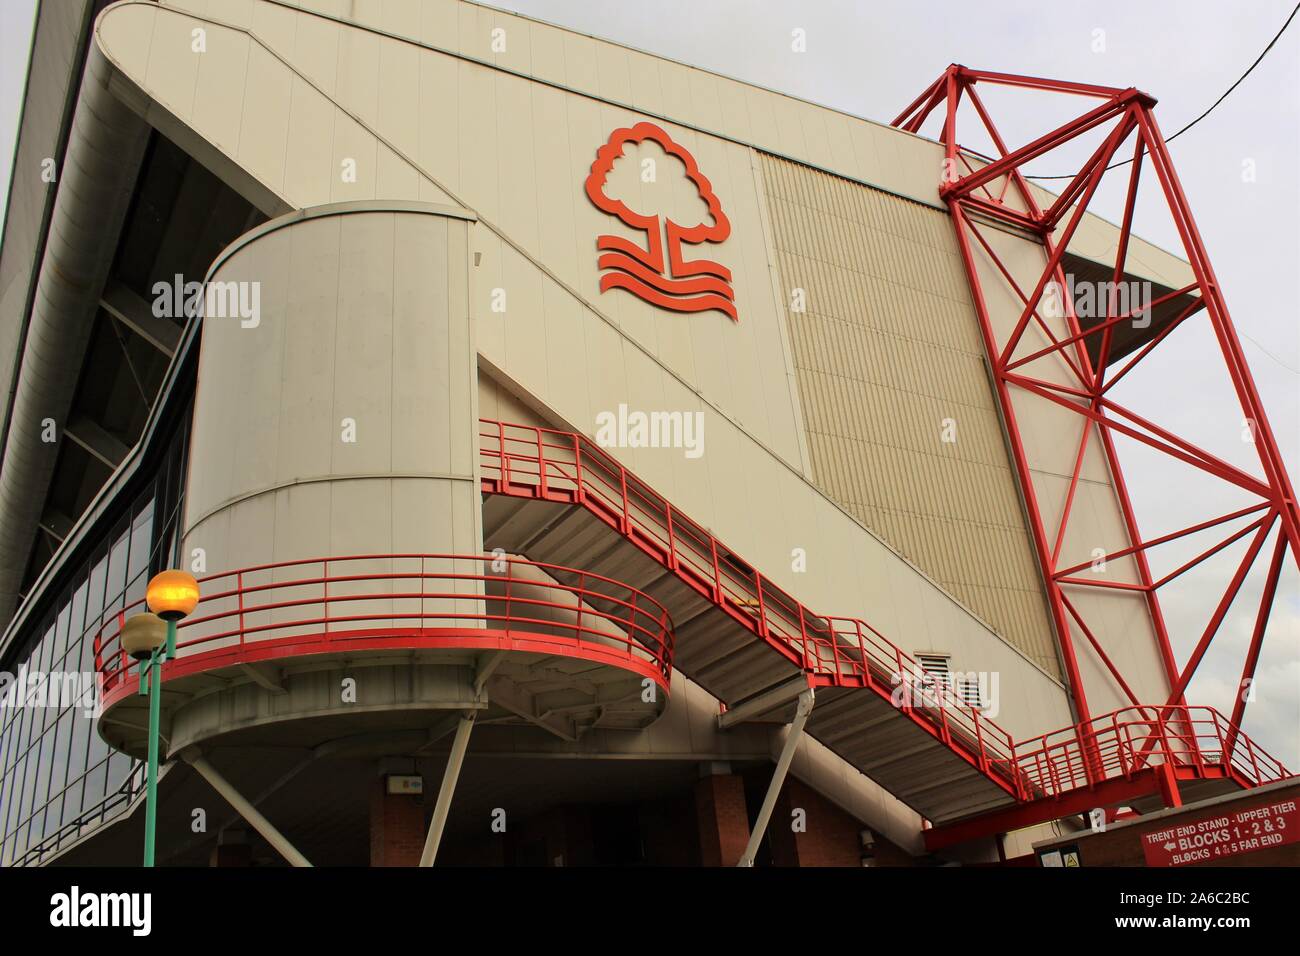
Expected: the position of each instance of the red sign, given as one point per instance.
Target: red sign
(659, 273)
(1230, 834)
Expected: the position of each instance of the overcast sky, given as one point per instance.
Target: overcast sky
(871, 58)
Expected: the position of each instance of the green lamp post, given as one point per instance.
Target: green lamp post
(150, 638)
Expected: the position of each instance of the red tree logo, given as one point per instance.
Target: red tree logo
(669, 281)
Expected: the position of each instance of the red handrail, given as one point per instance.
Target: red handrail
(1133, 738)
(250, 605)
(852, 652)
(847, 650)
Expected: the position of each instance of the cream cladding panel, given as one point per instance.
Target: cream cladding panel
(889, 363)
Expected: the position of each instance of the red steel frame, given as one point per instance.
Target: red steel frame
(971, 197)
(1190, 743)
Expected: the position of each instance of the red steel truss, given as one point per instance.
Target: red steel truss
(976, 190)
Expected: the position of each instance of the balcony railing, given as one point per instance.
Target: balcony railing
(308, 605)
(1198, 740)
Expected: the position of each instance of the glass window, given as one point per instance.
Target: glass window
(119, 768)
(78, 618)
(59, 757)
(72, 798)
(15, 771)
(115, 585)
(95, 593)
(54, 817)
(54, 768)
(6, 748)
(28, 788)
(93, 784)
(45, 712)
(40, 660)
(81, 731)
(41, 791)
(138, 559)
(6, 786)
(58, 660)
(98, 751)
(85, 648)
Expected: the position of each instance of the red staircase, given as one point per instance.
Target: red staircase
(557, 496)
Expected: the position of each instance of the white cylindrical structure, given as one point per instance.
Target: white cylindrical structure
(336, 408)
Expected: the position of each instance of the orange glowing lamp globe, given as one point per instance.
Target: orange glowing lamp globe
(172, 595)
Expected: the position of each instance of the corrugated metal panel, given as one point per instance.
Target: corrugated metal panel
(887, 349)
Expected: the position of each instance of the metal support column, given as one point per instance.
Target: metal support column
(801, 713)
(449, 777)
(245, 809)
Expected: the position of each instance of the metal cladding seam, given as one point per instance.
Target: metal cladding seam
(95, 185)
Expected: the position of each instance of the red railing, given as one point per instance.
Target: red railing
(1196, 739)
(562, 466)
(319, 601)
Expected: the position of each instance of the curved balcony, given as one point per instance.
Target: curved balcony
(398, 608)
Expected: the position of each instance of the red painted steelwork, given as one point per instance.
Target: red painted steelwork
(407, 601)
(1142, 751)
(1118, 791)
(1130, 112)
(1191, 739)
(567, 468)
(563, 467)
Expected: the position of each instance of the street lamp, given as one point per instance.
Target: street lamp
(172, 595)
(150, 638)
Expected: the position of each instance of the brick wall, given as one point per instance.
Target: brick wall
(830, 836)
(722, 819)
(397, 827)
